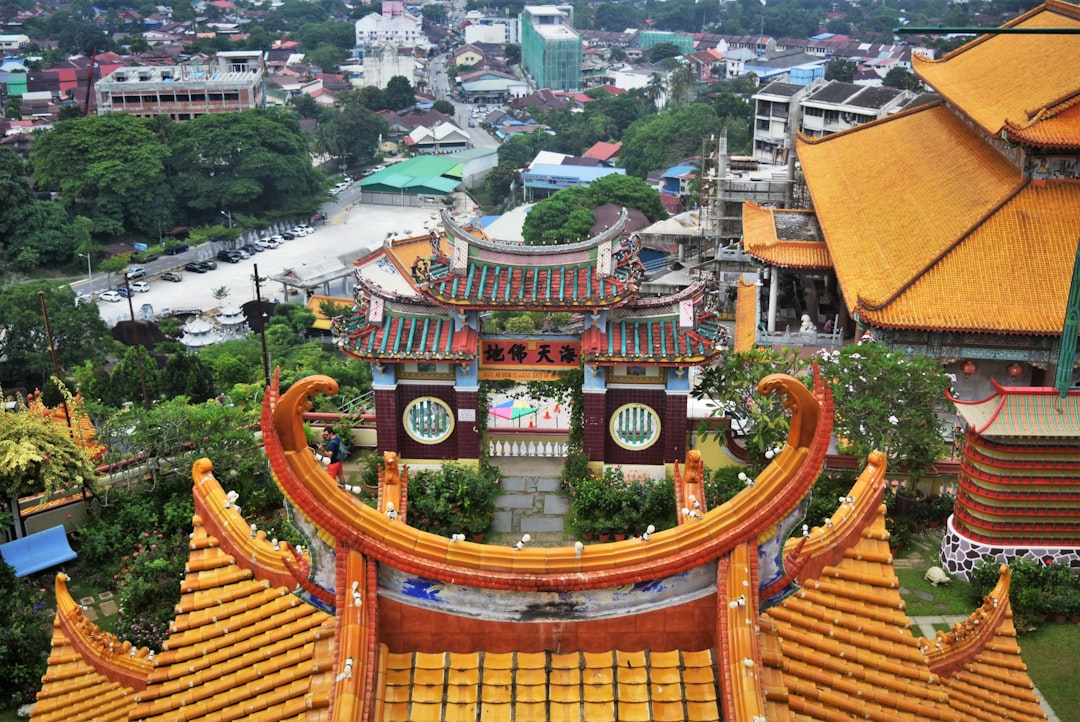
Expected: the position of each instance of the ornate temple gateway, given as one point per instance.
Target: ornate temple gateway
(716, 618)
(417, 318)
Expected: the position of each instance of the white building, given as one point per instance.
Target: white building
(383, 61)
(392, 27)
(492, 30)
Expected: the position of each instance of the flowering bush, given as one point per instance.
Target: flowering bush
(148, 588)
(613, 504)
(453, 500)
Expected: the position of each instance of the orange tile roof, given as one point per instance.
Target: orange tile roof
(761, 239)
(1031, 241)
(985, 81)
(746, 315)
(952, 182)
(649, 686)
(238, 647)
(1057, 127)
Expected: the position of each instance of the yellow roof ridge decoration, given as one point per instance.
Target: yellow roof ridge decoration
(737, 636)
(950, 650)
(983, 82)
(91, 673)
(351, 697)
(1056, 126)
(221, 522)
(377, 534)
(746, 317)
(762, 240)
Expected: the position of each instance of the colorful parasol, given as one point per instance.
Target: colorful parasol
(512, 409)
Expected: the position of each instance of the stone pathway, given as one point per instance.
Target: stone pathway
(104, 605)
(530, 501)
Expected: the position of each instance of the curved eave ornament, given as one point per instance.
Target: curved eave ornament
(746, 517)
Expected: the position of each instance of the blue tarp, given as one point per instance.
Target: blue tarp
(38, 551)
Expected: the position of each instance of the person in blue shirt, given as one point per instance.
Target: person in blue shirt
(331, 449)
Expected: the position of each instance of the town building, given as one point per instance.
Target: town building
(550, 48)
(231, 82)
(393, 27)
(550, 172)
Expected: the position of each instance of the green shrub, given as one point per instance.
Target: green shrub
(25, 631)
(452, 500)
(1036, 589)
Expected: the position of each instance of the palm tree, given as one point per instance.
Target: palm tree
(654, 90)
(681, 84)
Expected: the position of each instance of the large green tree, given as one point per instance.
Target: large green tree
(666, 138)
(567, 215)
(399, 93)
(246, 162)
(78, 333)
(110, 168)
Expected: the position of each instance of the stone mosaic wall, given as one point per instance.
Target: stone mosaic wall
(960, 555)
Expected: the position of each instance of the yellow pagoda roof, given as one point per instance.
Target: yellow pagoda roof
(920, 258)
(1056, 127)
(785, 238)
(999, 78)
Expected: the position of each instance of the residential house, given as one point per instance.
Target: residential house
(439, 139)
(550, 172)
(604, 152)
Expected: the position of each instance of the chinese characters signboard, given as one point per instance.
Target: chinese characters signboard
(527, 360)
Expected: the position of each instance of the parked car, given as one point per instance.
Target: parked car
(135, 272)
(288, 235)
(123, 292)
(279, 239)
(229, 256)
(378, 168)
(174, 276)
(251, 248)
(242, 252)
(308, 230)
(144, 258)
(83, 298)
(140, 287)
(175, 249)
(262, 244)
(195, 267)
(110, 296)
(211, 264)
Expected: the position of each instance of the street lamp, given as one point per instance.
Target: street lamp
(229, 216)
(89, 271)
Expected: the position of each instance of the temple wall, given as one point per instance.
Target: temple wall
(690, 626)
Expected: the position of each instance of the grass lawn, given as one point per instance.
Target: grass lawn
(951, 598)
(8, 715)
(1050, 654)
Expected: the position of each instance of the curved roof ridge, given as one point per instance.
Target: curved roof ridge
(115, 660)
(221, 519)
(454, 229)
(949, 651)
(777, 489)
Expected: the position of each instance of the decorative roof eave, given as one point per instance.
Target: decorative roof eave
(983, 414)
(951, 650)
(825, 545)
(622, 299)
(372, 342)
(115, 660)
(743, 684)
(761, 241)
(695, 291)
(780, 486)
(222, 520)
(672, 362)
(1056, 126)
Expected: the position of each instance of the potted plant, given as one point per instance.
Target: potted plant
(941, 507)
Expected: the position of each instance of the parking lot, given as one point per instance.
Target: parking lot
(351, 230)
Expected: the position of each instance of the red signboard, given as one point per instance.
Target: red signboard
(537, 354)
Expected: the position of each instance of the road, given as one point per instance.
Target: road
(350, 231)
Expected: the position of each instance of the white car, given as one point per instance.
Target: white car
(308, 230)
(271, 242)
(278, 239)
(110, 296)
(140, 287)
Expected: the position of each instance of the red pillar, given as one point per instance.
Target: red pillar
(386, 420)
(596, 430)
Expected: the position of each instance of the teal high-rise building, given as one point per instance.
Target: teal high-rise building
(550, 49)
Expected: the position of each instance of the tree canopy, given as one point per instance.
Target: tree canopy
(663, 139)
(567, 216)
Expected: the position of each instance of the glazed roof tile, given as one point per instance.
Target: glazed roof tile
(1024, 413)
(880, 248)
(762, 238)
(555, 287)
(1033, 234)
(402, 336)
(986, 83)
(592, 686)
(262, 655)
(1055, 128)
(657, 340)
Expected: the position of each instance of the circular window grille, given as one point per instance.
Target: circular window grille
(428, 420)
(635, 426)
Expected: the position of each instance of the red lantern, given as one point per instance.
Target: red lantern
(1014, 370)
(969, 368)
